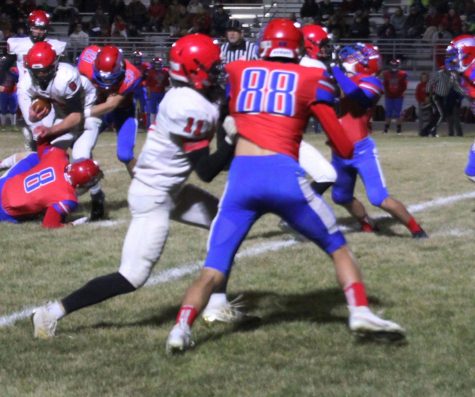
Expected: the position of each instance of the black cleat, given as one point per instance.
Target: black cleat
(420, 235)
(97, 206)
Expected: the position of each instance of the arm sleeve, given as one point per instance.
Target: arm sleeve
(365, 95)
(333, 129)
(207, 165)
(52, 219)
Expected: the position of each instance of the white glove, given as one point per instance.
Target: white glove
(229, 126)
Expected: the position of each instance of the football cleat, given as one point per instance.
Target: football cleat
(97, 206)
(226, 312)
(363, 322)
(421, 234)
(44, 323)
(179, 339)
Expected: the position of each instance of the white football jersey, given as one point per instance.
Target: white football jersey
(20, 46)
(313, 63)
(64, 86)
(185, 118)
(89, 92)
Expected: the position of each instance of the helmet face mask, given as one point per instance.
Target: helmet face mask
(41, 62)
(317, 42)
(109, 70)
(38, 23)
(157, 63)
(83, 174)
(137, 58)
(361, 58)
(195, 60)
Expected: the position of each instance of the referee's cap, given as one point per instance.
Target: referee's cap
(234, 24)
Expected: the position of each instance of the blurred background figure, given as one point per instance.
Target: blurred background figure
(395, 85)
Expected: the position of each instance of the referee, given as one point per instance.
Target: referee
(236, 47)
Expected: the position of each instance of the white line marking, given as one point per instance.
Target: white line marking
(176, 273)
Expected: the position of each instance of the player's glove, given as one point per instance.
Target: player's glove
(230, 128)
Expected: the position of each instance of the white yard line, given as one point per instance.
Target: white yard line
(178, 272)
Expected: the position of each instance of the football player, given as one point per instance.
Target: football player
(277, 95)
(140, 93)
(8, 97)
(70, 95)
(395, 85)
(157, 82)
(115, 79)
(17, 48)
(361, 91)
(460, 58)
(45, 183)
(177, 143)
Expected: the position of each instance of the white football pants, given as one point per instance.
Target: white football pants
(148, 229)
(315, 165)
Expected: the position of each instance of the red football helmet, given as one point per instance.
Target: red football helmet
(83, 173)
(109, 67)
(460, 53)
(195, 59)
(137, 58)
(38, 22)
(157, 63)
(394, 64)
(41, 62)
(316, 41)
(281, 39)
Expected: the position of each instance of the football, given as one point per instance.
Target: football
(41, 103)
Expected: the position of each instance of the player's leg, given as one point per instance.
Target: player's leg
(343, 192)
(388, 114)
(13, 108)
(82, 149)
(233, 221)
(143, 245)
(398, 102)
(470, 167)
(3, 109)
(312, 217)
(371, 173)
(126, 125)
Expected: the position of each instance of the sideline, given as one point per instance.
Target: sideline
(178, 272)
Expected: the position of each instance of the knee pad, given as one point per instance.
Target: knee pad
(376, 197)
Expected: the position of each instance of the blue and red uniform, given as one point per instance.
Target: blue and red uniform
(395, 85)
(8, 98)
(271, 103)
(468, 85)
(123, 117)
(140, 92)
(157, 82)
(361, 93)
(37, 185)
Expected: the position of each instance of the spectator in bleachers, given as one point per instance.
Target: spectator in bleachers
(386, 32)
(336, 25)
(171, 17)
(27, 6)
(47, 5)
(220, 18)
(398, 20)
(136, 14)
(326, 10)
(119, 27)
(309, 10)
(194, 7)
(156, 13)
(78, 40)
(116, 7)
(64, 12)
(452, 22)
(359, 27)
(351, 6)
(372, 5)
(201, 22)
(414, 24)
(433, 17)
(99, 24)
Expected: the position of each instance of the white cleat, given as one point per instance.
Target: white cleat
(179, 339)
(44, 323)
(363, 322)
(225, 312)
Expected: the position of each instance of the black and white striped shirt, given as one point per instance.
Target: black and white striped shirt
(442, 82)
(245, 50)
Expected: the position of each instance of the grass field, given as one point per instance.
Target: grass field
(302, 345)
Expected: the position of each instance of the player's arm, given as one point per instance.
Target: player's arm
(326, 115)
(207, 165)
(366, 94)
(55, 214)
(111, 103)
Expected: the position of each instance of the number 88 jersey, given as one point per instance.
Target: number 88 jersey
(186, 121)
(271, 101)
